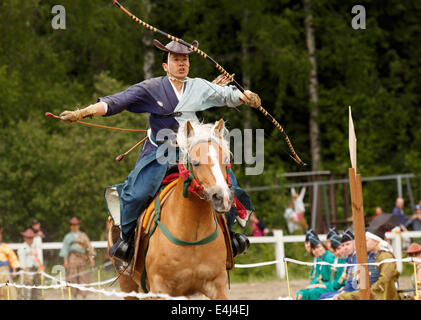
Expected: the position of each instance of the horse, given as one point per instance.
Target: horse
(178, 270)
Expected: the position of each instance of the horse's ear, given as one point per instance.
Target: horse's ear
(189, 130)
(219, 128)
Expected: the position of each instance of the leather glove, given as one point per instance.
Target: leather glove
(222, 80)
(250, 98)
(79, 114)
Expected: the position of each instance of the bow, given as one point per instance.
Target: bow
(293, 154)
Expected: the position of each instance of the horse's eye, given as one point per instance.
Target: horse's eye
(195, 163)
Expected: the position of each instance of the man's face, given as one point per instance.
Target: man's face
(371, 244)
(74, 227)
(28, 240)
(348, 247)
(36, 226)
(319, 251)
(339, 252)
(399, 203)
(179, 65)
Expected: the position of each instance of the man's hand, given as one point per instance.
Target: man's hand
(250, 98)
(66, 263)
(92, 262)
(79, 114)
(222, 80)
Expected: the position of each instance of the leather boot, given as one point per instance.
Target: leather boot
(122, 250)
(240, 243)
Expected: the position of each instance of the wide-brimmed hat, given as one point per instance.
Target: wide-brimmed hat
(175, 47)
(28, 233)
(74, 220)
(413, 248)
(383, 223)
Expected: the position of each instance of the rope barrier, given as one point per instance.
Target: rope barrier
(261, 264)
(89, 286)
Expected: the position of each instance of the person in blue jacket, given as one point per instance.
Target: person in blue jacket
(170, 100)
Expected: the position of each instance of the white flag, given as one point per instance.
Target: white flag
(352, 142)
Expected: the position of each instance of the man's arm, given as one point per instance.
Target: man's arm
(97, 109)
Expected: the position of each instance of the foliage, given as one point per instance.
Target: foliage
(53, 171)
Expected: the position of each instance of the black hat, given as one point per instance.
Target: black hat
(347, 236)
(309, 232)
(314, 241)
(383, 223)
(332, 231)
(35, 221)
(335, 241)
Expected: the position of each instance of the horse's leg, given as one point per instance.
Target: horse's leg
(216, 290)
(127, 284)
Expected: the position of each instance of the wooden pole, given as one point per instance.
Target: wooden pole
(358, 216)
(359, 232)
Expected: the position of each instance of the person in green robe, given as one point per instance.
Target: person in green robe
(322, 272)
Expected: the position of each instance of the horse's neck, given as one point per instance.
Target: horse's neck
(188, 216)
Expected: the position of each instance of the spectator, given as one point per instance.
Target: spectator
(332, 231)
(31, 264)
(8, 260)
(39, 236)
(414, 251)
(398, 210)
(291, 218)
(383, 277)
(76, 251)
(299, 207)
(257, 226)
(415, 221)
(378, 211)
(323, 271)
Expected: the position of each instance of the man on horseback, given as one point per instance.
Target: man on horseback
(171, 100)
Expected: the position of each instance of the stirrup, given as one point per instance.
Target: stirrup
(122, 250)
(240, 243)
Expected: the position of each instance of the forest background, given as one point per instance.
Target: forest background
(53, 171)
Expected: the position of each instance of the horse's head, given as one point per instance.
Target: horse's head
(208, 152)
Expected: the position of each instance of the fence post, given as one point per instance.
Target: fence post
(397, 247)
(279, 253)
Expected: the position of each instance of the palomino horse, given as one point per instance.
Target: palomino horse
(179, 270)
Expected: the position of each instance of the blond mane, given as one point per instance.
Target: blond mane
(203, 131)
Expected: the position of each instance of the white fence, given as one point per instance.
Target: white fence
(279, 239)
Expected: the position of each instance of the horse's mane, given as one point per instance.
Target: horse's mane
(203, 131)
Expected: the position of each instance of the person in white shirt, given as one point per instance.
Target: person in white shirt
(31, 265)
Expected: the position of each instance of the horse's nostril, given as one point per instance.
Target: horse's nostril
(216, 197)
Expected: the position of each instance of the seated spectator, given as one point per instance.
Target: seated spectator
(322, 273)
(378, 211)
(257, 226)
(414, 222)
(383, 277)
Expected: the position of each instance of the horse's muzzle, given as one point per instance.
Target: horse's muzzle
(220, 199)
